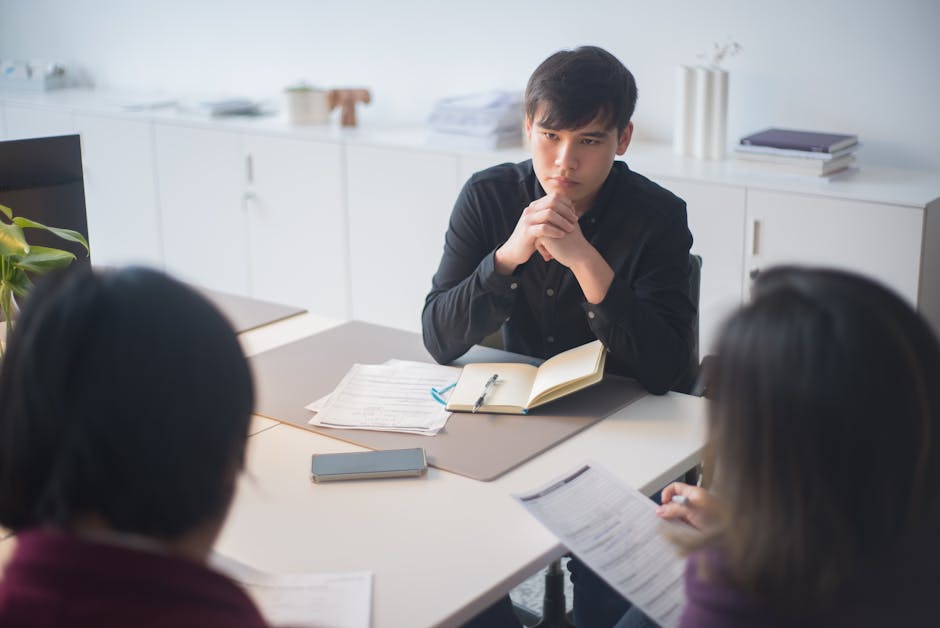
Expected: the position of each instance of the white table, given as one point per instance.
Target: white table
(442, 547)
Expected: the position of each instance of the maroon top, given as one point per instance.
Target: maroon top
(56, 579)
(902, 590)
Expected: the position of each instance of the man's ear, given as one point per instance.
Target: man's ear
(528, 127)
(624, 139)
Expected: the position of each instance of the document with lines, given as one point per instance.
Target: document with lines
(615, 531)
(395, 396)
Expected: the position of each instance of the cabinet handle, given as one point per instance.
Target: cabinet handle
(754, 273)
(755, 238)
(249, 169)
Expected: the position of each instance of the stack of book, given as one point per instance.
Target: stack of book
(798, 152)
(478, 122)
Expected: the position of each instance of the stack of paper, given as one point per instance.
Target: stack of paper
(391, 397)
(479, 121)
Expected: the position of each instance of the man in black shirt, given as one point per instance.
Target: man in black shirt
(569, 246)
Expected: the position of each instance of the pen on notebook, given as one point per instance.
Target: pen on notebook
(486, 388)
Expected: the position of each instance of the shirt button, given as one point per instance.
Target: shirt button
(513, 285)
(592, 220)
(550, 339)
(507, 319)
(591, 314)
(549, 292)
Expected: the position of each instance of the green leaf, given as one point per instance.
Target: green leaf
(6, 211)
(65, 234)
(19, 283)
(41, 259)
(12, 240)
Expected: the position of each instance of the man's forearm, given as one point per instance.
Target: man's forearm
(594, 275)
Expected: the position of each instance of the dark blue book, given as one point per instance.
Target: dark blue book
(810, 141)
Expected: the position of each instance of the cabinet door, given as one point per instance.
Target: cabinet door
(120, 194)
(399, 203)
(200, 181)
(881, 241)
(26, 121)
(716, 220)
(297, 224)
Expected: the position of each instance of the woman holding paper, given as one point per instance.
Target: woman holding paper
(824, 504)
(125, 409)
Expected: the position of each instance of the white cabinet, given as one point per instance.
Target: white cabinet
(297, 223)
(120, 193)
(25, 121)
(878, 240)
(352, 224)
(399, 203)
(716, 215)
(254, 214)
(200, 179)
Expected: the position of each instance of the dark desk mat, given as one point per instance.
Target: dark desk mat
(247, 313)
(479, 446)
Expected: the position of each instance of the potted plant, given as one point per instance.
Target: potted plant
(18, 259)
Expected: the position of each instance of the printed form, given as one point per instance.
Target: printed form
(614, 529)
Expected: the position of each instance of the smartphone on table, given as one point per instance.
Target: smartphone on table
(361, 465)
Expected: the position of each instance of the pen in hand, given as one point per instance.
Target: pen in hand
(486, 388)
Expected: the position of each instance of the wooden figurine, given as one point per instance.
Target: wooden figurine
(347, 99)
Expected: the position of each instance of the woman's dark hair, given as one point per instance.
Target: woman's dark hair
(825, 431)
(576, 86)
(123, 394)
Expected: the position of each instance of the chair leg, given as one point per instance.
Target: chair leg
(553, 604)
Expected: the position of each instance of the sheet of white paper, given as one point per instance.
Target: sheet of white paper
(320, 600)
(395, 396)
(614, 529)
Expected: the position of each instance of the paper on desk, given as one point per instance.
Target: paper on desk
(395, 396)
(321, 600)
(615, 531)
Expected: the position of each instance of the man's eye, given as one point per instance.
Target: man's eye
(589, 141)
(550, 136)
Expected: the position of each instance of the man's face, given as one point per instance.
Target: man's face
(575, 162)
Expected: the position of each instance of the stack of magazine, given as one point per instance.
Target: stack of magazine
(798, 152)
(486, 121)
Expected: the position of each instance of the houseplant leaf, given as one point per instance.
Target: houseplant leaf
(12, 240)
(65, 234)
(6, 211)
(19, 283)
(42, 259)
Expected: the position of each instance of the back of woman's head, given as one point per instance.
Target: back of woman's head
(825, 427)
(123, 394)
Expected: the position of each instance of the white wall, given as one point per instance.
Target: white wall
(862, 66)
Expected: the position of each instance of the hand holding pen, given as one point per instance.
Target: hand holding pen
(692, 504)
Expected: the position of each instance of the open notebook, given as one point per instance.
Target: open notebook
(520, 387)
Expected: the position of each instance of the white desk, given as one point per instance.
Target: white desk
(442, 547)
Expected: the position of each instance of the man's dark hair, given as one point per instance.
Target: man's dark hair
(825, 429)
(123, 394)
(576, 86)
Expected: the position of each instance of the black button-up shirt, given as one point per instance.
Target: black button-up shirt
(639, 228)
